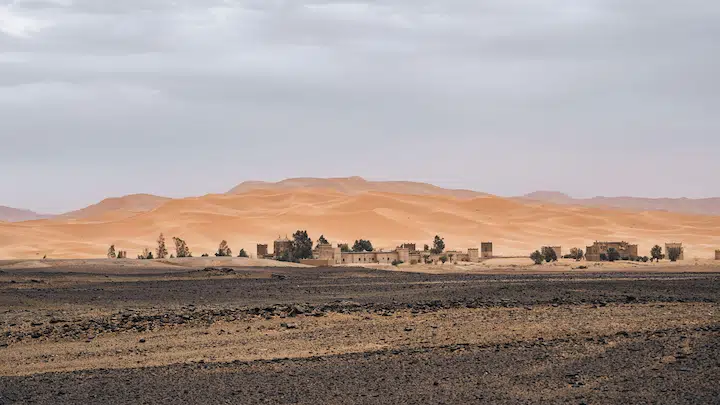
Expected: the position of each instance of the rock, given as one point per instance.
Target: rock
(408, 329)
(142, 340)
(288, 325)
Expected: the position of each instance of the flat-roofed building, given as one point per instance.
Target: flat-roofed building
(597, 250)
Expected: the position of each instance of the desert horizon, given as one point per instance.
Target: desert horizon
(344, 210)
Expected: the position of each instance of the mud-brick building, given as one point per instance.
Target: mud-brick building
(329, 255)
(262, 251)
(677, 245)
(717, 254)
(282, 245)
(486, 250)
(598, 249)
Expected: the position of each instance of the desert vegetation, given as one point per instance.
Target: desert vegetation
(674, 253)
(224, 250)
(362, 245)
(161, 251)
(537, 257)
(181, 248)
(438, 245)
(549, 254)
(656, 253)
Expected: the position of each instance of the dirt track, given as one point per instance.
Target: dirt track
(359, 336)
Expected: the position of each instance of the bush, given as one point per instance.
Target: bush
(205, 255)
(111, 252)
(181, 248)
(344, 247)
(243, 253)
(284, 257)
(362, 245)
(397, 262)
(645, 259)
(145, 255)
(302, 246)
(549, 254)
(613, 255)
(537, 257)
(161, 251)
(603, 257)
(224, 250)
(674, 253)
(438, 245)
(322, 241)
(443, 259)
(656, 253)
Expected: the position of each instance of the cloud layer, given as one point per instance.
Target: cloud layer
(101, 97)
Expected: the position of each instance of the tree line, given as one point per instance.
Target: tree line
(301, 247)
(181, 250)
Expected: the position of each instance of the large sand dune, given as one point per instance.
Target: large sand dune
(387, 219)
(354, 185)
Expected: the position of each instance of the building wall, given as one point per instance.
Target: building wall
(593, 252)
(281, 246)
(403, 254)
(410, 246)
(474, 255)
(318, 262)
(386, 257)
(262, 251)
(557, 250)
(486, 250)
(717, 254)
(415, 258)
(359, 257)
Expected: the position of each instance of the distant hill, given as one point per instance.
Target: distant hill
(8, 214)
(704, 206)
(356, 185)
(129, 204)
(387, 219)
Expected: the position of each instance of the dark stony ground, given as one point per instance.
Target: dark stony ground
(664, 366)
(612, 370)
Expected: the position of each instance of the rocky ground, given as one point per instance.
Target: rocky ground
(351, 336)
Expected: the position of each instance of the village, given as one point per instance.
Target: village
(326, 254)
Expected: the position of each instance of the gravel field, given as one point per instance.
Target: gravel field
(350, 336)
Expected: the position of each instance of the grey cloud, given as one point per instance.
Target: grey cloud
(483, 83)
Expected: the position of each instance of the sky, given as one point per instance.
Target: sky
(103, 98)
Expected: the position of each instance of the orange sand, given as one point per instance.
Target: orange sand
(387, 219)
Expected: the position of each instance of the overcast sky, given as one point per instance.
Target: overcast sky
(103, 98)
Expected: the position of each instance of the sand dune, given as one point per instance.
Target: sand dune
(9, 214)
(704, 206)
(354, 185)
(387, 219)
(119, 207)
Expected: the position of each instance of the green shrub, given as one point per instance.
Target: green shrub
(537, 257)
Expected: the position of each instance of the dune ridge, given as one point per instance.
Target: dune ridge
(387, 219)
(354, 185)
(9, 214)
(703, 206)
